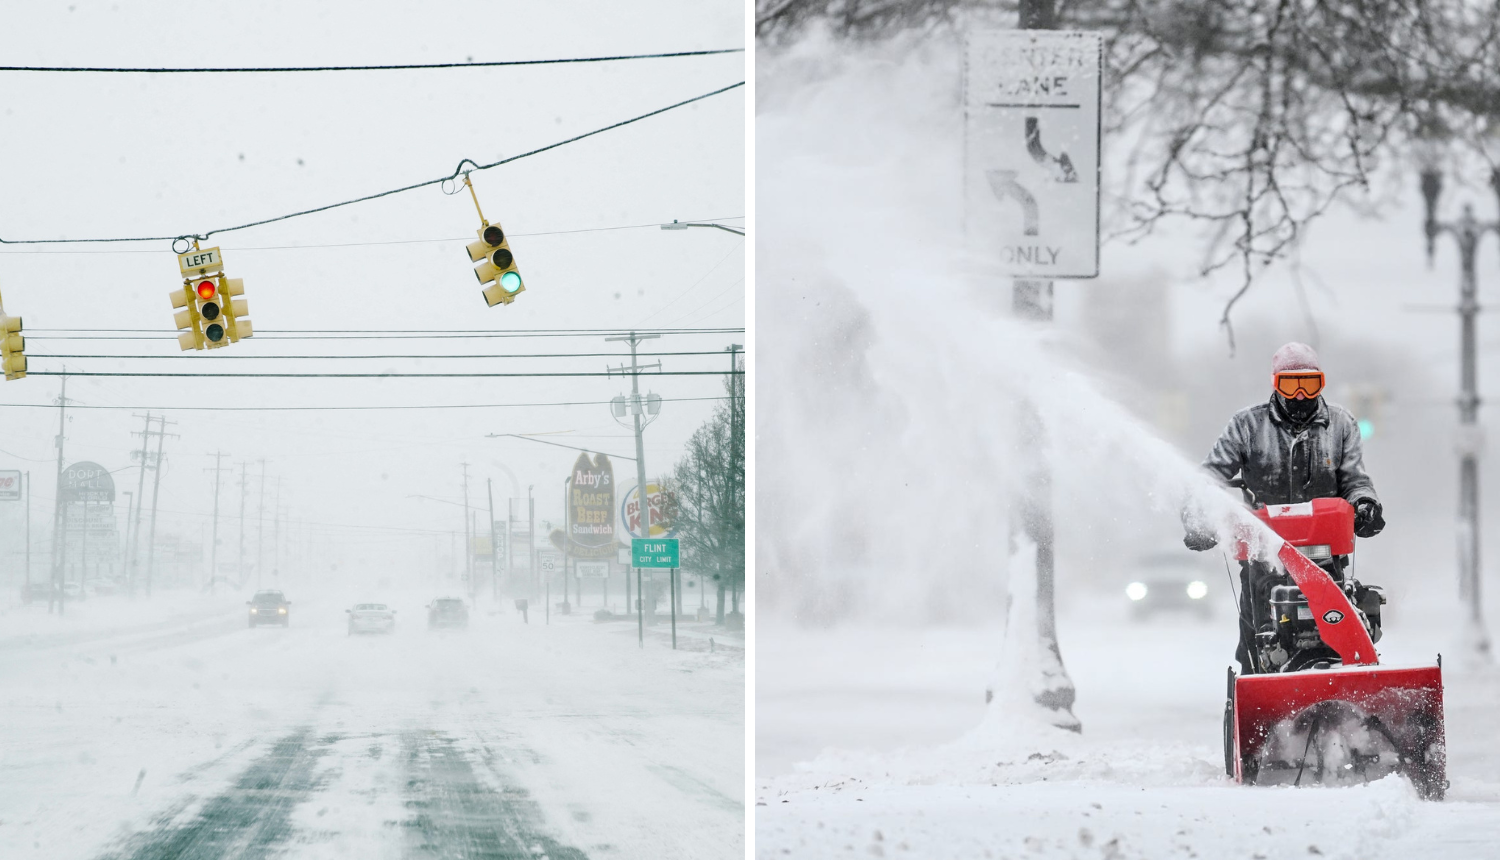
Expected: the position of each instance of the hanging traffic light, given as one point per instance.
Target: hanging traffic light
(209, 314)
(12, 347)
(497, 266)
(496, 269)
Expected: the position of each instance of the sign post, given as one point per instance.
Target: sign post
(659, 553)
(1031, 172)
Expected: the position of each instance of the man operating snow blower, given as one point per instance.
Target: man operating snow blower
(1293, 448)
(1311, 702)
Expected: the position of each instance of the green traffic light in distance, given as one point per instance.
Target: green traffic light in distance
(1366, 428)
(510, 282)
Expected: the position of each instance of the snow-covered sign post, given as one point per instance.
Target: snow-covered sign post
(1031, 195)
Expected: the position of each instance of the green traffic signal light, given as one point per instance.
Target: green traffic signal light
(1366, 428)
(510, 282)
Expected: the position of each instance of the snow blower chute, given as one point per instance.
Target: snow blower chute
(1316, 707)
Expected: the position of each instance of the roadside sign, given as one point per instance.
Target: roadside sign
(198, 263)
(592, 569)
(548, 561)
(656, 552)
(10, 484)
(1031, 172)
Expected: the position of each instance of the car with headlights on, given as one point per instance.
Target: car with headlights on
(269, 607)
(1169, 583)
(371, 618)
(447, 612)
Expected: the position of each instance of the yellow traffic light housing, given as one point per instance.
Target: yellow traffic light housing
(496, 269)
(210, 315)
(12, 347)
(497, 266)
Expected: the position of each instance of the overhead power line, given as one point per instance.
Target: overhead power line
(558, 445)
(456, 172)
(214, 357)
(590, 332)
(382, 68)
(401, 407)
(342, 336)
(315, 246)
(368, 375)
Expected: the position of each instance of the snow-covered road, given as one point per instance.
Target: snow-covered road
(179, 732)
(1144, 781)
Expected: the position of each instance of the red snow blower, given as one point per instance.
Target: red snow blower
(1316, 707)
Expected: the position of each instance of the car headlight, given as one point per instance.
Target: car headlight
(282, 610)
(1196, 590)
(1135, 590)
(252, 610)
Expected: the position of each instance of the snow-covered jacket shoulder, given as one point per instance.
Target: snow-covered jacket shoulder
(1283, 466)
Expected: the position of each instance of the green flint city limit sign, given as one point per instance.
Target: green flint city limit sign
(657, 552)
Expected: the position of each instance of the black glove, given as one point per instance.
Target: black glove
(1367, 519)
(1198, 541)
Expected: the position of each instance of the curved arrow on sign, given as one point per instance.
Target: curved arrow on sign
(1004, 184)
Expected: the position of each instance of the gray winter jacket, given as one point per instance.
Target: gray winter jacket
(1281, 466)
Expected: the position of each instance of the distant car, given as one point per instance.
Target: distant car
(102, 586)
(447, 612)
(1174, 582)
(371, 618)
(35, 591)
(269, 607)
(73, 591)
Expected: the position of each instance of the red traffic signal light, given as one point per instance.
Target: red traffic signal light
(207, 289)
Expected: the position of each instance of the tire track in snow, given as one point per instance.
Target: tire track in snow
(455, 814)
(251, 819)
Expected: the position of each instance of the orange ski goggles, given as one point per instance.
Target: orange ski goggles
(1306, 382)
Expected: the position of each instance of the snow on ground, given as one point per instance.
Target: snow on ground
(865, 745)
(148, 728)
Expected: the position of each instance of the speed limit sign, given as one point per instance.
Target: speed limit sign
(548, 561)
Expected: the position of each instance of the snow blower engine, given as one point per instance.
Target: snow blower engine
(1315, 706)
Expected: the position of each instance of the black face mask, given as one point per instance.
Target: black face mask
(1299, 411)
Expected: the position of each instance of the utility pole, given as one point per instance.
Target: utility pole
(240, 568)
(468, 541)
(28, 535)
(567, 541)
(637, 409)
(213, 549)
(260, 527)
(140, 497)
(736, 473)
(161, 436)
(1468, 231)
(59, 541)
(276, 534)
(489, 491)
(531, 570)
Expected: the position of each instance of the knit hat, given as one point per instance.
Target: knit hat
(1295, 356)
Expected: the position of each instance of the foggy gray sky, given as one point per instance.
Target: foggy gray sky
(130, 155)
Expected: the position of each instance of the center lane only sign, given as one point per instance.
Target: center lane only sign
(1031, 166)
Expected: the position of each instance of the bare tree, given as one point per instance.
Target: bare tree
(708, 492)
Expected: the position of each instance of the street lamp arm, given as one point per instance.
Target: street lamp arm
(683, 225)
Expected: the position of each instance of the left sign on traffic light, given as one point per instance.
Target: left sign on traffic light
(209, 314)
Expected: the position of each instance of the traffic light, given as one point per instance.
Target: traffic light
(12, 347)
(497, 266)
(1366, 402)
(209, 315)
